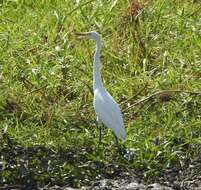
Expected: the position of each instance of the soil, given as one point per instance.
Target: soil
(21, 160)
(189, 179)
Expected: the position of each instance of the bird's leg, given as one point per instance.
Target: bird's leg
(120, 149)
(116, 140)
(99, 125)
(100, 135)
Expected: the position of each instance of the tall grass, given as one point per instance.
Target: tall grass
(46, 79)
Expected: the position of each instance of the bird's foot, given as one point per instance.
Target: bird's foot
(119, 148)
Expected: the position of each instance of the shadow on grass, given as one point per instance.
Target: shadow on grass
(38, 166)
(79, 165)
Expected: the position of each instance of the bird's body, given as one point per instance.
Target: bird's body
(107, 110)
(111, 117)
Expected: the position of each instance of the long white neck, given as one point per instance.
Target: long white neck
(97, 81)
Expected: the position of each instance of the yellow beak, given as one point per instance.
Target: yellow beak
(80, 35)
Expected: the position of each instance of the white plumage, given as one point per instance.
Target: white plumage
(107, 110)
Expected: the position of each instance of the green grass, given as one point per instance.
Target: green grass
(46, 79)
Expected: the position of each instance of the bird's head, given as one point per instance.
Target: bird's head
(88, 35)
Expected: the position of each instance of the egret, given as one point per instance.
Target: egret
(107, 110)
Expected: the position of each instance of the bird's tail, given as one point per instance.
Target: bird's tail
(120, 132)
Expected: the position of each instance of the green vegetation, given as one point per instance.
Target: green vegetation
(49, 132)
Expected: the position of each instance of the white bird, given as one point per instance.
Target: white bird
(107, 110)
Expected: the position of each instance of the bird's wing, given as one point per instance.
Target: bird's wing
(109, 113)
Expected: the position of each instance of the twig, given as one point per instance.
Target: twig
(78, 7)
(89, 87)
(198, 93)
(81, 70)
(191, 14)
(11, 187)
(38, 89)
(135, 95)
